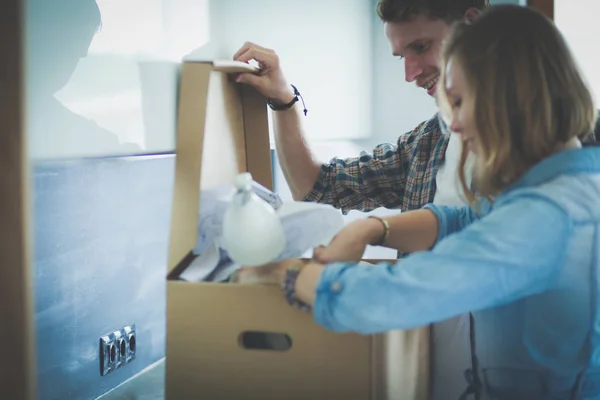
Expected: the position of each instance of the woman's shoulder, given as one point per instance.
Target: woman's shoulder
(575, 194)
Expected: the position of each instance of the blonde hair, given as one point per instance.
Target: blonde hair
(530, 97)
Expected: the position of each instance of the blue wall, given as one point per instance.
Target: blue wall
(101, 241)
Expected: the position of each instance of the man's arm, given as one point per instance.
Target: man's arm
(297, 162)
(363, 183)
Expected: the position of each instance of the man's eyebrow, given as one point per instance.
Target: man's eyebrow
(410, 46)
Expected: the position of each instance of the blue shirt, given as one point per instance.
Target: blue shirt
(527, 267)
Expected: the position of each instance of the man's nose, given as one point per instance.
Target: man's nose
(412, 69)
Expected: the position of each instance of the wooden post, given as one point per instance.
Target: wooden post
(17, 369)
(545, 6)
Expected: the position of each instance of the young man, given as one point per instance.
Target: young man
(419, 169)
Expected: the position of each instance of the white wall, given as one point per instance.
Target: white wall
(325, 49)
(123, 88)
(113, 92)
(334, 51)
(579, 25)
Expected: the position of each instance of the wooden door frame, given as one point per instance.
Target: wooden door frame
(545, 6)
(17, 369)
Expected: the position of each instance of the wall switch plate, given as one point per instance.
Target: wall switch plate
(117, 349)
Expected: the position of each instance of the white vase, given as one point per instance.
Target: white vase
(252, 231)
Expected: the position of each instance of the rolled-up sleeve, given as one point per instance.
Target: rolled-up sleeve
(515, 251)
(455, 219)
(365, 182)
(379, 178)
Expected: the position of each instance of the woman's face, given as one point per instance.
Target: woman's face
(462, 102)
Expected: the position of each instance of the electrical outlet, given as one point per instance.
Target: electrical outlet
(131, 341)
(117, 349)
(108, 354)
(121, 347)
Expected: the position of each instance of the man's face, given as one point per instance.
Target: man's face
(419, 43)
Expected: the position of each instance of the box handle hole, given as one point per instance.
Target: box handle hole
(257, 340)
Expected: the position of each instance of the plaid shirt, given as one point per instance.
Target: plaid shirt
(401, 176)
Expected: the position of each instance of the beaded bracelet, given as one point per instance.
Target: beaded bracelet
(289, 286)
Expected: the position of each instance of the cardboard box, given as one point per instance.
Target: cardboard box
(227, 341)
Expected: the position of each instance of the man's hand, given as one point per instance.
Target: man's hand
(270, 82)
(350, 243)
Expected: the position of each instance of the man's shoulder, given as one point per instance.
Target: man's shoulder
(428, 132)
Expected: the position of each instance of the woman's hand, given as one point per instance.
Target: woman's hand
(350, 243)
(268, 274)
(275, 273)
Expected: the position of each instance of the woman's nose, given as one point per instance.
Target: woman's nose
(455, 125)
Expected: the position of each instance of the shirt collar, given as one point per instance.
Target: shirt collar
(567, 162)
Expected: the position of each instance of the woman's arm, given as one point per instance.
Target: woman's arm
(514, 252)
(408, 232)
(454, 219)
(419, 230)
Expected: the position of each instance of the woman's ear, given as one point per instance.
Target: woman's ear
(472, 14)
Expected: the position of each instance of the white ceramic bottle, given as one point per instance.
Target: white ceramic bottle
(252, 231)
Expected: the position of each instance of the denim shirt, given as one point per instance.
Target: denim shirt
(527, 267)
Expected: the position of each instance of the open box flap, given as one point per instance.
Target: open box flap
(222, 130)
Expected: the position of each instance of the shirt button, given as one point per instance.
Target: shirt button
(336, 287)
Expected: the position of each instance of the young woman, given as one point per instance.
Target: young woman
(524, 259)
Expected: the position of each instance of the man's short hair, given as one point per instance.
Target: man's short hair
(447, 10)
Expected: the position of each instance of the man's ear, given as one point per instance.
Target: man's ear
(472, 14)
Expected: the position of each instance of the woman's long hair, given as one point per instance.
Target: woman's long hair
(530, 97)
